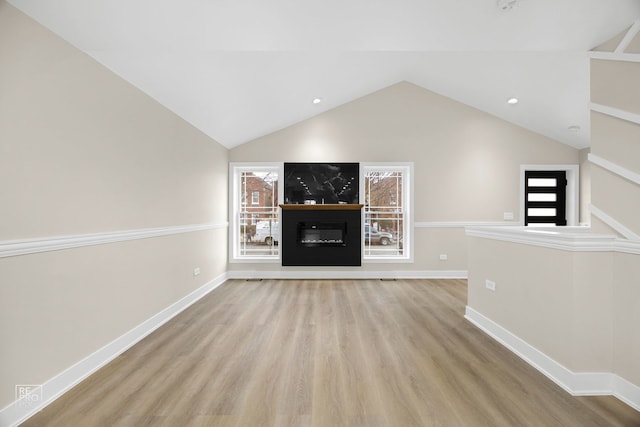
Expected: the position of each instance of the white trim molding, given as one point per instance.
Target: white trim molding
(10, 248)
(613, 223)
(627, 246)
(463, 224)
(615, 168)
(575, 383)
(615, 112)
(16, 413)
(577, 239)
(611, 56)
(628, 38)
(335, 273)
(574, 239)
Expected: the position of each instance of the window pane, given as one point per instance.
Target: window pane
(542, 182)
(541, 211)
(383, 236)
(384, 189)
(541, 197)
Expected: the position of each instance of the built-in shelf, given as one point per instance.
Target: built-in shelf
(331, 207)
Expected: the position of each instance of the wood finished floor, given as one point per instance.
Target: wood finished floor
(326, 353)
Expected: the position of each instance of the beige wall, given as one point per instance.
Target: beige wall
(579, 308)
(466, 161)
(533, 292)
(616, 196)
(616, 140)
(626, 316)
(82, 151)
(616, 84)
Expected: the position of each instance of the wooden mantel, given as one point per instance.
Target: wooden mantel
(331, 207)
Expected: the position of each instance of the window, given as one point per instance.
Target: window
(254, 227)
(386, 193)
(255, 194)
(549, 195)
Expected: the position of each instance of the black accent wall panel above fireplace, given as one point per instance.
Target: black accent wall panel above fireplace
(321, 183)
(321, 238)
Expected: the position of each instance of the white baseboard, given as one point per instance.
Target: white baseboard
(335, 273)
(463, 224)
(17, 412)
(628, 392)
(575, 383)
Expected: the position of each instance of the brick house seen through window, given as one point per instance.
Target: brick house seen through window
(258, 221)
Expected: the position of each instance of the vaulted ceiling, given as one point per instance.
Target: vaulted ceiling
(240, 69)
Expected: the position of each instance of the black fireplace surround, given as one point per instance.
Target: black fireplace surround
(321, 236)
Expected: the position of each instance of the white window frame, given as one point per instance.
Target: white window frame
(573, 190)
(407, 197)
(236, 202)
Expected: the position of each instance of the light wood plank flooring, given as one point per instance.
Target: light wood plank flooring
(326, 353)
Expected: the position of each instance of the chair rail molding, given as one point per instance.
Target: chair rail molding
(615, 112)
(10, 248)
(612, 56)
(573, 239)
(615, 168)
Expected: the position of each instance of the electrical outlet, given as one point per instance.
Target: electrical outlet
(508, 216)
(196, 271)
(490, 285)
(443, 257)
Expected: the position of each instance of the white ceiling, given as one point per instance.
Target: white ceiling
(240, 69)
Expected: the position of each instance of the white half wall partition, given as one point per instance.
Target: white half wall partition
(565, 300)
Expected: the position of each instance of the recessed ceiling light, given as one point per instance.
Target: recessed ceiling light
(512, 101)
(316, 101)
(574, 128)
